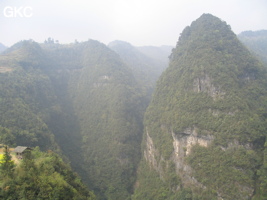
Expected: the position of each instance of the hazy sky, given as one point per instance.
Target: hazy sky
(139, 22)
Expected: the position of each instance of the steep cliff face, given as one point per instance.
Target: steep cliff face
(150, 152)
(183, 142)
(206, 123)
(204, 84)
(182, 145)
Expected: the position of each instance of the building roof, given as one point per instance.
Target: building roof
(20, 149)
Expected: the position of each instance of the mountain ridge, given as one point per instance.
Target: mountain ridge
(256, 42)
(88, 104)
(202, 136)
(204, 113)
(146, 68)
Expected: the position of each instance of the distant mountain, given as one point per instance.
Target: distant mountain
(205, 127)
(256, 41)
(147, 63)
(2, 47)
(160, 53)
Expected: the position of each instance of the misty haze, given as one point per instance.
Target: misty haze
(133, 100)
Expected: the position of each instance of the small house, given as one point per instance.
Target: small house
(20, 150)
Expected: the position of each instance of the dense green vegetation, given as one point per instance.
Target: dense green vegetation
(213, 84)
(86, 102)
(145, 65)
(150, 186)
(26, 96)
(40, 176)
(221, 170)
(80, 100)
(256, 42)
(109, 108)
(262, 173)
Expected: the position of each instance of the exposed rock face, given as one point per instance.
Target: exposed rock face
(182, 144)
(207, 119)
(150, 152)
(204, 84)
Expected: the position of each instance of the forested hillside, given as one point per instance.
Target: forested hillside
(205, 127)
(256, 42)
(109, 107)
(146, 63)
(26, 98)
(39, 175)
(80, 100)
(201, 136)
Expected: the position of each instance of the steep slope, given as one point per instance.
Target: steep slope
(40, 175)
(78, 99)
(256, 42)
(99, 126)
(27, 102)
(26, 96)
(109, 108)
(205, 127)
(146, 69)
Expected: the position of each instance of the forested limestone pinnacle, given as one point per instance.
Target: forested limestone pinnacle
(207, 117)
